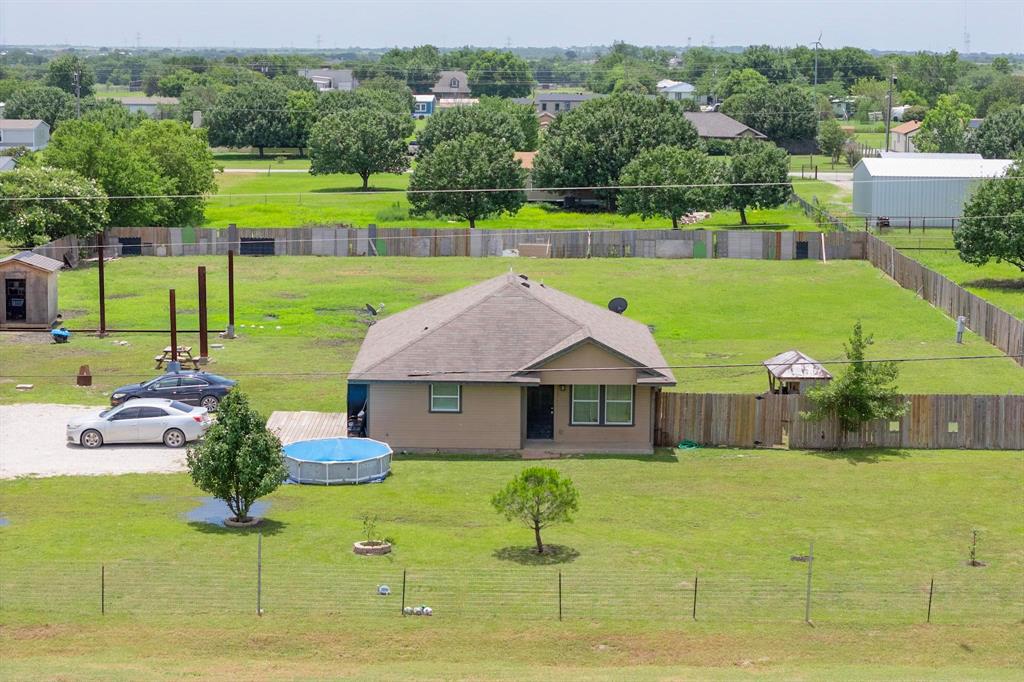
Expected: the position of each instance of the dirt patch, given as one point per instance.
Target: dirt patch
(28, 337)
(290, 295)
(269, 317)
(117, 296)
(68, 313)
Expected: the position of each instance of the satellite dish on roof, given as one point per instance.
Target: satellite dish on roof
(618, 305)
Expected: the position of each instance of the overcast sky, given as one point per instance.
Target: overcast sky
(993, 25)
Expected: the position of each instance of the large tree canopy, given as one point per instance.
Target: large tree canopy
(588, 146)
(514, 124)
(473, 162)
(993, 222)
(759, 176)
(697, 178)
(782, 112)
(252, 115)
(52, 105)
(945, 128)
(1001, 135)
(67, 70)
(72, 205)
(500, 74)
(362, 141)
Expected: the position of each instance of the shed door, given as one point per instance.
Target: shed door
(801, 250)
(130, 246)
(14, 291)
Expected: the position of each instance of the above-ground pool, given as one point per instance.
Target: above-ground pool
(332, 461)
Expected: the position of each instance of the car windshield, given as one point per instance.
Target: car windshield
(180, 406)
(104, 413)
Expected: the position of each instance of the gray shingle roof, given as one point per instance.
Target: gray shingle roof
(715, 124)
(443, 84)
(35, 260)
(20, 123)
(795, 366)
(496, 331)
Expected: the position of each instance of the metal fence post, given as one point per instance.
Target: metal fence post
(696, 576)
(931, 591)
(103, 590)
(559, 596)
(810, 569)
(259, 573)
(403, 591)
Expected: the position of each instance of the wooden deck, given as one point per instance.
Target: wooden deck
(295, 426)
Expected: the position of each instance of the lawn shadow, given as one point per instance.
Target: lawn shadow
(266, 527)
(356, 188)
(989, 283)
(527, 555)
(863, 455)
(660, 455)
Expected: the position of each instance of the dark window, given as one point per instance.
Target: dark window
(130, 246)
(256, 246)
(127, 413)
(188, 381)
(181, 407)
(150, 412)
(164, 384)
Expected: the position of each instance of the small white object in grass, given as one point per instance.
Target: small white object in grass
(427, 611)
(241, 325)
(418, 611)
(407, 610)
(277, 327)
(383, 590)
(216, 345)
(25, 387)
(261, 326)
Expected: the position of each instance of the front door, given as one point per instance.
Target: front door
(540, 412)
(14, 290)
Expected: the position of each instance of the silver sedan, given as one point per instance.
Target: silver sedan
(148, 420)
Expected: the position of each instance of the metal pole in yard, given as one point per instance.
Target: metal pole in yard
(103, 590)
(931, 591)
(559, 596)
(810, 569)
(403, 592)
(888, 110)
(174, 327)
(204, 352)
(695, 577)
(259, 574)
(231, 294)
(103, 288)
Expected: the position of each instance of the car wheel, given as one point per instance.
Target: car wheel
(91, 439)
(174, 438)
(210, 402)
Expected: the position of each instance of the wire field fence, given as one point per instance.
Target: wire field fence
(800, 590)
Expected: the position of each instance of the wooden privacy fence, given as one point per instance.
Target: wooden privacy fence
(981, 422)
(998, 327)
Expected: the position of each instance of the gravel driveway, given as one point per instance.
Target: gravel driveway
(32, 443)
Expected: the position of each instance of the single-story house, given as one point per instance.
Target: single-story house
(423, 106)
(554, 103)
(24, 132)
(29, 290)
(578, 197)
(677, 90)
(147, 105)
(901, 137)
(7, 163)
(919, 190)
(451, 85)
(714, 125)
(331, 79)
(508, 365)
(793, 372)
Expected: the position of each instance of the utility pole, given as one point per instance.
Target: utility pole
(77, 75)
(888, 109)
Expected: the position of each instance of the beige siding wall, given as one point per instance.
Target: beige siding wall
(633, 437)
(588, 355)
(490, 419)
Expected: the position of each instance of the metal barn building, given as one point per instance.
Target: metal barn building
(920, 191)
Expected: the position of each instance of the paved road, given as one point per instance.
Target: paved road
(841, 179)
(32, 443)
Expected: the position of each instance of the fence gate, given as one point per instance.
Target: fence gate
(771, 423)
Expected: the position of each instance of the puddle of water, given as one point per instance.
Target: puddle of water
(4, 522)
(212, 510)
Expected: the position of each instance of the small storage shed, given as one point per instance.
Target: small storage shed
(919, 190)
(29, 290)
(793, 372)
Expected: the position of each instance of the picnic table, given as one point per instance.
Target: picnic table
(184, 357)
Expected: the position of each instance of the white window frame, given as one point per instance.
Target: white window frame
(596, 401)
(453, 83)
(630, 401)
(457, 396)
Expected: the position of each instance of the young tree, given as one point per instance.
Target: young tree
(832, 139)
(944, 128)
(993, 222)
(500, 74)
(671, 166)
(863, 392)
(240, 460)
(1001, 135)
(72, 205)
(361, 141)
(588, 146)
(52, 105)
(758, 174)
(61, 73)
(475, 162)
(538, 497)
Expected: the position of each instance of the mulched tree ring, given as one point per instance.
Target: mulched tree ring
(252, 522)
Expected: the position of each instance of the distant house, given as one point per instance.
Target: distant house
(7, 163)
(28, 291)
(555, 103)
(451, 85)
(424, 105)
(901, 138)
(150, 106)
(714, 125)
(508, 365)
(331, 79)
(677, 90)
(24, 132)
(894, 189)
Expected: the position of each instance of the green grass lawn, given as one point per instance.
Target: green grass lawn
(703, 312)
(106, 90)
(874, 140)
(295, 199)
(1000, 283)
(807, 162)
(181, 596)
(835, 199)
(247, 160)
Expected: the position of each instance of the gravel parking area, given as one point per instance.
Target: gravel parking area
(32, 443)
